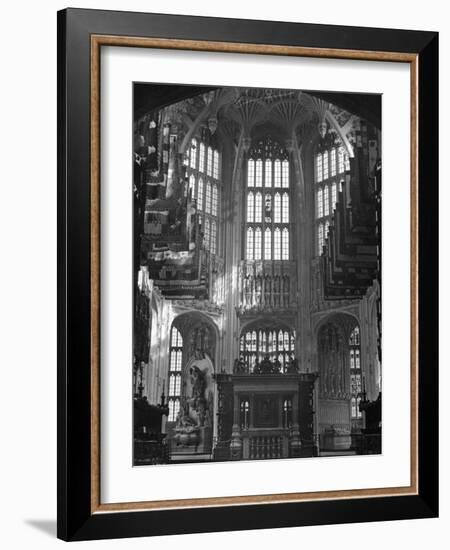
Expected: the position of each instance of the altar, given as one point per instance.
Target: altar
(271, 415)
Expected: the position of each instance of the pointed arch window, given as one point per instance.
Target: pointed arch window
(325, 165)
(277, 173)
(285, 244)
(341, 166)
(285, 168)
(175, 364)
(320, 203)
(268, 211)
(333, 162)
(268, 244)
(258, 173)
(208, 198)
(193, 153)
(326, 201)
(250, 240)
(258, 243)
(251, 173)
(200, 194)
(258, 207)
(268, 208)
(333, 196)
(285, 209)
(216, 165)
(213, 245)
(277, 343)
(356, 385)
(207, 234)
(277, 244)
(319, 167)
(203, 172)
(209, 162)
(251, 207)
(330, 164)
(277, 208)
(201, 157)
(268, 173)
(192, 186)
(214, 203)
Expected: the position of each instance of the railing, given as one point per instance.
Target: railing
(265, 447)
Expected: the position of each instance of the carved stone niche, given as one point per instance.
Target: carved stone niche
(334, 382)
(333, 362)
(202, 341)
(193, 430)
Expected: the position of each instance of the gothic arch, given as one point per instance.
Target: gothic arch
(267, 321)
(196, 325)
(332, 335)
(348, 318)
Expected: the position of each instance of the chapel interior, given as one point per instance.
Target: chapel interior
(257, 262)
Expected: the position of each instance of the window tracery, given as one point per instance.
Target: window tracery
(267, 214)
(203, 172)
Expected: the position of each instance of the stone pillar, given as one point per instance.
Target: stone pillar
(167, 317)
(303, 253)
(232, 255)
(316, 417)
(369, 349)
(295, 442)
(236, 441)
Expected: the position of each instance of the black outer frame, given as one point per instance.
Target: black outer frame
(75, 521)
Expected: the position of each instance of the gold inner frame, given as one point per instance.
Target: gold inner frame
(97, 41)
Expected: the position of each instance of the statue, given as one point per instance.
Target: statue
(197, 401)
(194, 419)
(198, 384)
(183, 419)
(239, 366)
(186, 429)
(276, 366)
(266, 365)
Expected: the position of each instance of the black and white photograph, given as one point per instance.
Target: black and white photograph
(224, 287)
(256, 274)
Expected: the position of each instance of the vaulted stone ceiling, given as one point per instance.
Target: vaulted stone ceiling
(253, 112)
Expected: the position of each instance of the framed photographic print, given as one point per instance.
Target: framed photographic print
(247, 244)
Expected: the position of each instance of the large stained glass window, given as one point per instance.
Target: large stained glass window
(276, 344)
(175, 364)
(203, 172)
(330, 166)
(355, 372)
(268, 218)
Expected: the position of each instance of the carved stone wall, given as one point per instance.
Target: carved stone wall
(334, 413)
(267, 286)
(333, 363)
